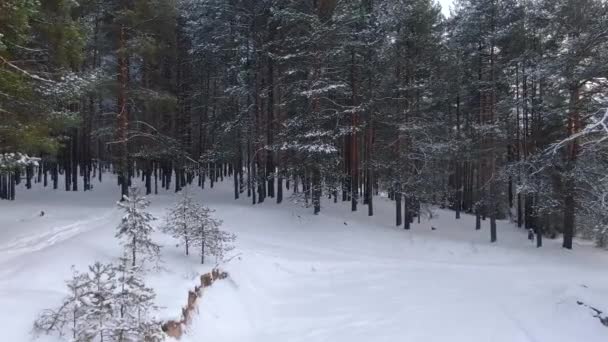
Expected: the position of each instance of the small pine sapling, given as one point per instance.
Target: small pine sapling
(135, 231)
(209, 238)
(134, 304)
(181, 221)
(100, 301)
(108, 303)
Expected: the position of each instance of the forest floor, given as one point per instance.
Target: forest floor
(338, 276)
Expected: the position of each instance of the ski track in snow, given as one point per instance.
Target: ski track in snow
(36, 242)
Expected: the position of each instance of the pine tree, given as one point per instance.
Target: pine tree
(134, 303)
(208, 236)
(182, 220)
(192, 223)
(99, 302)
(135, 231)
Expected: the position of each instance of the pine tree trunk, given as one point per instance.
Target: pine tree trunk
(397, 195)
(316, 180)
(12, 186)
(148, 176)
(407, 221)
(133, 252)
(493, 226)
(203, 248)
(270, 167)
(569, 205)
(574, 126)
(155, 166)
(520, 217)
(236, 185)
(187, 245)
(122, 120)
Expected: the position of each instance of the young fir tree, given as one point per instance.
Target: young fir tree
(193, 224)
(134, 302)
(209, 238)
(182, 220)
(135, 230)
(99, 301)
(108, 303)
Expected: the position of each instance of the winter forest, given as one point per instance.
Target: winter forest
(303, 170)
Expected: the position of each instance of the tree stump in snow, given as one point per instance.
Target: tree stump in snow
(192, 297)
(206, 280)
(173, 329)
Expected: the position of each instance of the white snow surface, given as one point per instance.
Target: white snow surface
(338, 276)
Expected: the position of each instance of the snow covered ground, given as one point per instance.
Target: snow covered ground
(339, 276)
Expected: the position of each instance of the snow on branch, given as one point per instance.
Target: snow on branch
(135, 229)
(16, 161)
(598, 126)
(4, 61)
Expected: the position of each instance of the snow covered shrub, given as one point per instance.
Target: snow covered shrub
(108, 303)
(193, 224)
(16, 161)
(135, 230)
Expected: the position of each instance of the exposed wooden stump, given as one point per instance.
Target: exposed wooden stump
(206, 280)
(173, 329)
(192, 297)
(186, 316)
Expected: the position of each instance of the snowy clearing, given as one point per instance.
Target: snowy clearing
(339, 276)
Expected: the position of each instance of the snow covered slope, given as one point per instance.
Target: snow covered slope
(339, 276)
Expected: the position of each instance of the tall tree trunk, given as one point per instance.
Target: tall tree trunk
(122, 120)
(574, 126)
(398, 209)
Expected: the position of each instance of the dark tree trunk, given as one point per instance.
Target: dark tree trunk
(397, 196)
(407, 220)
(569, 206)
(28, 176)
(12, 186)
(493, 226)
(316, 183)
(236, 186)
(280, 188)
(520, 217)
(122, 121)
(45, 174)
(55, 176)
(148, 176)
(155, 166)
